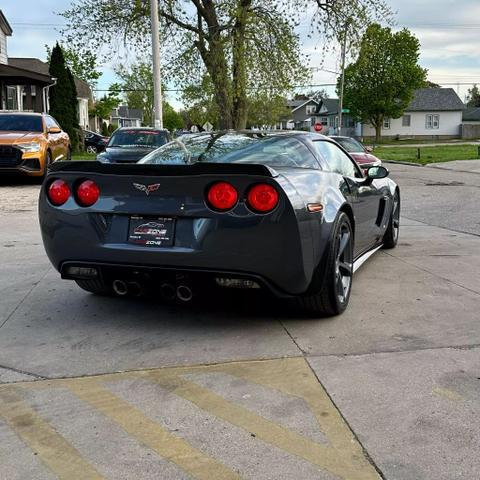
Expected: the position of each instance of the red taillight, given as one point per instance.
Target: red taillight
(222, 196)
(58, 192)
(262, 198)
(87, 193)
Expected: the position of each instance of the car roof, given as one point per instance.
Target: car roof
(153, 129)
(269, 133)
(12, 112)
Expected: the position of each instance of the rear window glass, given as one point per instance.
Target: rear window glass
(275, 151)
(350, 145)
(138, 138)
(20, 123)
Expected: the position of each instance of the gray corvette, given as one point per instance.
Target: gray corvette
(288, 212)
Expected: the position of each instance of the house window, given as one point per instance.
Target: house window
(406, 120)
(311, 109)
(386, 124)
(12, 98)
(432, 121)
(33, 90)
(324, 120)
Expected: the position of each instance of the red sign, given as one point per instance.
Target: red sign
(318, 127)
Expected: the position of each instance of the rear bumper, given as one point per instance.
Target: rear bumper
(268, 248)
(151, 278)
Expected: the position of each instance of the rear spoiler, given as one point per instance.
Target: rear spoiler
(83, 167)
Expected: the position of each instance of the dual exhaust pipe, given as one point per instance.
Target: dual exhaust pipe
(169, 292)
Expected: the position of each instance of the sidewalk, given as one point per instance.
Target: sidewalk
(468, 166)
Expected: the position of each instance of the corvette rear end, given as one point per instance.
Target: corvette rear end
(288, 212)
(173, 228)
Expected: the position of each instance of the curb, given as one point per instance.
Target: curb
(411, 164)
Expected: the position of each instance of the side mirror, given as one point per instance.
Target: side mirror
(374, 173)
(54, 130)
(369, 149)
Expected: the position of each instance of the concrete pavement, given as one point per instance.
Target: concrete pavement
(243, 388)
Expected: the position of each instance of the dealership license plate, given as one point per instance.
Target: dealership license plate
(151, 231)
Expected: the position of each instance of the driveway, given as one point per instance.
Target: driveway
(241, 387)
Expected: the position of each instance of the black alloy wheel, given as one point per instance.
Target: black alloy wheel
(344, 263)
(335, 276)
(390, 237)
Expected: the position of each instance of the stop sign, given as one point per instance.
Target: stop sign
(318, 127)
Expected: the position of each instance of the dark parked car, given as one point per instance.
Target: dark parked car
(94, 142)
(287, 212)
(359, 152)
(129, 145)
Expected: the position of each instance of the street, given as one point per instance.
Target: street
(240, 387)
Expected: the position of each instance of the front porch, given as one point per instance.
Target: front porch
(22, 90)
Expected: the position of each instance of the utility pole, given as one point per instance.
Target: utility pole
(157, 79)
(342, 79)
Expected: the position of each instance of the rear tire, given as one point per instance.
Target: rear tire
(332, 298)
(97, 287)
(390, 238)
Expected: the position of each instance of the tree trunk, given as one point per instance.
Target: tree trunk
(377, 122)
(215, 60)
(239, 68)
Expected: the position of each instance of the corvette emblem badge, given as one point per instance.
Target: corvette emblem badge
(148, 189)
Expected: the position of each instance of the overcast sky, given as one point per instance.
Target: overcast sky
(448, 30)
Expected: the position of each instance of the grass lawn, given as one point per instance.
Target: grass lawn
(413, 141)
(428, 154)
(84, 156)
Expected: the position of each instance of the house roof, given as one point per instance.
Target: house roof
(331, 104)
(13, 72)
(435, 99)
(471, 114)
(83, 88)
(36, 65)
(4, 25)
(303, 102)
(32, 64)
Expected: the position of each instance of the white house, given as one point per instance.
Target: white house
(433, 113)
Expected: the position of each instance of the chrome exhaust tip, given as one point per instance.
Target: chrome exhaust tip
(120, 287)
(184, 293)
(168, 291)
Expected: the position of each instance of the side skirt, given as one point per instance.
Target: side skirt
(363, 258)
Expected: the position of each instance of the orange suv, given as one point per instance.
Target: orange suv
(29, 142)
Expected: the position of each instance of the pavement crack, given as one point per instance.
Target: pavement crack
(437, 226)
(292, 338)
(433, 274)
(364, 450)
(472, 346)
(23, 372)
(10, 315)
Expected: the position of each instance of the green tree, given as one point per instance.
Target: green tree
(136, 81)
(172, 120)
(104, 106)
(473, 97)
(63, 96)
(240, 44)
(266, 109)
(82, 63)
(380, 84)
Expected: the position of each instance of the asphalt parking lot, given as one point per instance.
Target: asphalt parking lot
(239, 387)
